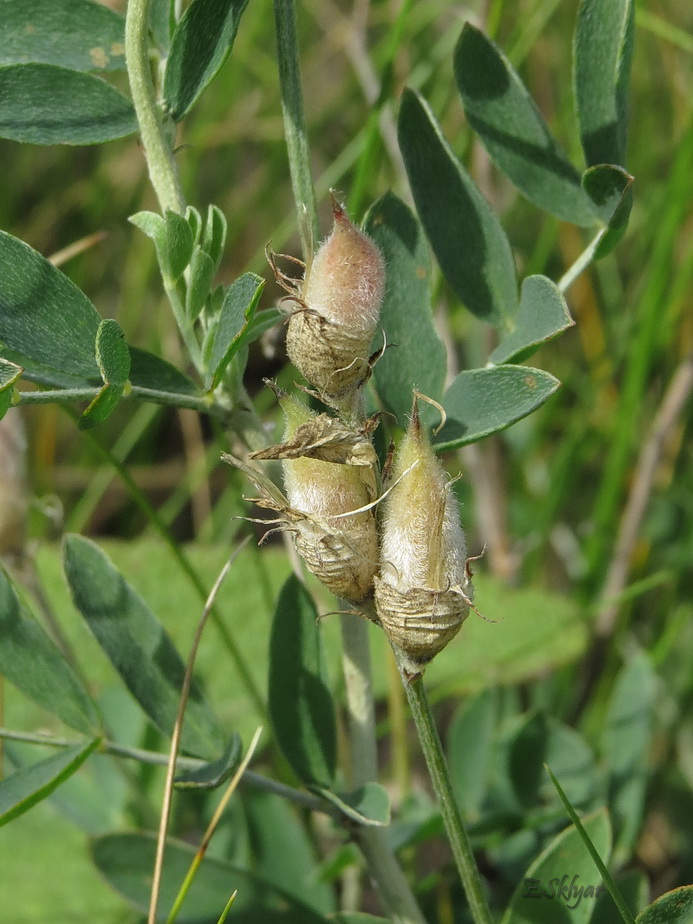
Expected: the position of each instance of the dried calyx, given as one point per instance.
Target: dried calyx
(423, 592)
(335, 312)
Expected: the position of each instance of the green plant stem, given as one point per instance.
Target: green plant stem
(154, 758)
(185, 327)
(382, 863)
(356, 664)
(383, 867)
(440, 776)
(294, 123)
(190, 402)
(157, 146)
(615, 894)
(581, 264)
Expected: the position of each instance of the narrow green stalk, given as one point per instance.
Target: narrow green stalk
(170, 399)
(157, 146)
(298, 797)
(383, 867)
(54, 395)
(294, 122)
(581, 264)
(612, 889)
(227, 909)
(356, 664)
(440, 776)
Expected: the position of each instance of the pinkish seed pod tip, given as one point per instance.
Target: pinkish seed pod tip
(329, 336)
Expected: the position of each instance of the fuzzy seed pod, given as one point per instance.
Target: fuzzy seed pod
(344, 556)
(336, 315)
(322, 509)
(423, 593)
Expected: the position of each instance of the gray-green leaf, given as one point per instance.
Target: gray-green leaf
(482, 401)
(470, 741)
(201, 44)
(200, 282)
(147, 370)
(675, 907)
(625, 746)
(237, 311)
(602, 56)
(113, 359)
(467, 238)
(77, 34)
(545, 894)
(173, 239)
(611, 190)
(542, 315)
(47, 104)
(9, 374)
(300, 701)
(406, 315)
(112, 354)
(33, 663)
(138, 647)
(29, 785)
(44, 317)
(514, 132)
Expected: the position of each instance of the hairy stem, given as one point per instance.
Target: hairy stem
(440, 777)
(155, 141)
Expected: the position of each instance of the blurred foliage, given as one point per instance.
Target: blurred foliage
(563, 473)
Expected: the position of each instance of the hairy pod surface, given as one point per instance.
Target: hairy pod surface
(423, 592)
(330, 331)
(322, 508)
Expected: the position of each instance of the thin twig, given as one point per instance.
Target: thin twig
(175, 739)
(163, 170)
(671, 408)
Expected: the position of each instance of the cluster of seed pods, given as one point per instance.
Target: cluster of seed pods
(396, 550)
